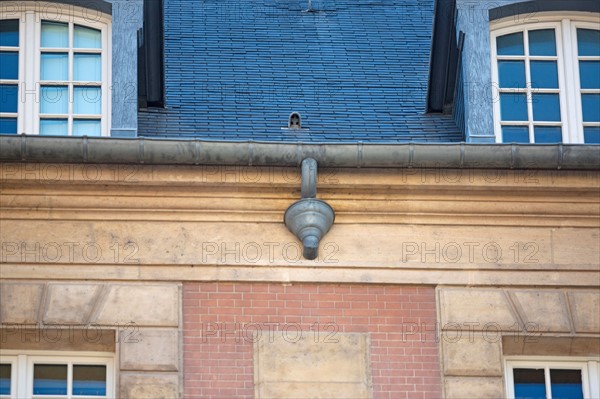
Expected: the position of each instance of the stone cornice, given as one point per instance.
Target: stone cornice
(245, 194)
(423, 226)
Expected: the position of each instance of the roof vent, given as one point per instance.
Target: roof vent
(295, 121)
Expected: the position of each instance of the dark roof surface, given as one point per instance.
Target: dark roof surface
(356, 70)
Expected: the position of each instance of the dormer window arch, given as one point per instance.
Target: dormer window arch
(546, 77)
(56, 69)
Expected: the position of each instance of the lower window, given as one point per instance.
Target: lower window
(550, 379)
(60, 375)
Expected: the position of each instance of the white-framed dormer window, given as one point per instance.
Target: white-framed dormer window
(546, 79)
(69, 375)
(552, 378)
(55, 75)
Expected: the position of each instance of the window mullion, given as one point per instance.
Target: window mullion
(70, 380)
(548, 383)
(71, 79)
(24, 383)
(594, 379)
(529, 97)
(105, 110)
(574, 132)
(30, 91)
(21, 78)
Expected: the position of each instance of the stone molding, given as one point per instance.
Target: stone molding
(528, 311)
(82, 304)
(139, 322)
(259, 194)
(478, 326)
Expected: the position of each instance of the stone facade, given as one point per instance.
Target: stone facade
(146, 256)
(481, 325)
(140, 323)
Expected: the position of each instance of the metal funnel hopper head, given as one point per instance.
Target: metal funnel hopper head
(309, 219)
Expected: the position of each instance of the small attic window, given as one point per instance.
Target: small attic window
(295, 121)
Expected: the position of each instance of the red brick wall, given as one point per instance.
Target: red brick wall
(218, 334)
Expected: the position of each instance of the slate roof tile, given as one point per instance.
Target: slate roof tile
(356, 70)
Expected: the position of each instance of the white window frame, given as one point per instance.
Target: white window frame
(12, 360)
(577, 89)
(22, 369)
(565, 26)
(30, 16)
(18, 81)
(590, 375)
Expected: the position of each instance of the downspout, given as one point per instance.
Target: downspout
(309, 219)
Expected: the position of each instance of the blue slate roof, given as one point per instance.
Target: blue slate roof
(356, 70)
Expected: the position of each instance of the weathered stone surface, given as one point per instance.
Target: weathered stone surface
(52, 338)
(151, 350)
(435, 213)
(550, 346)
(70, 303)
(149, 386)
(472, 355)
(290, 368)
(479, 308)
(20, 302)
(298, 390)
(585, 346)
(143, 305)
(585, 309)
(583, 250)
(534, 345)
(545, 309)
(473, 387)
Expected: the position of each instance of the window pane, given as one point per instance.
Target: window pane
(9, 33)
(588, 42)
(9, 65)
(87, 68)
(591, 135)
(544, 74)
(5, 379)
(54, 100)
(88, 101)
(547, 134)
(55, 34)
(49, 379)
(529, 384)
(513, 107)
(566, 384)
(546, 107)
(8, 125)
(86, 37)
(89, 380)
(55, 66)
(542, 42)
(591, 107)
(515, 134)
(510, 44)
(54, 127)
(512, 74)
(9, 97)
(85, 127)
(589, 74)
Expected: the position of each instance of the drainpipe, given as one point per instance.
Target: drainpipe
(309, 219)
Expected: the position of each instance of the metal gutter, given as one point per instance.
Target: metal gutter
(46, 149)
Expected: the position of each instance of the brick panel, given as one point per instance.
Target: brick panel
(221, 321)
